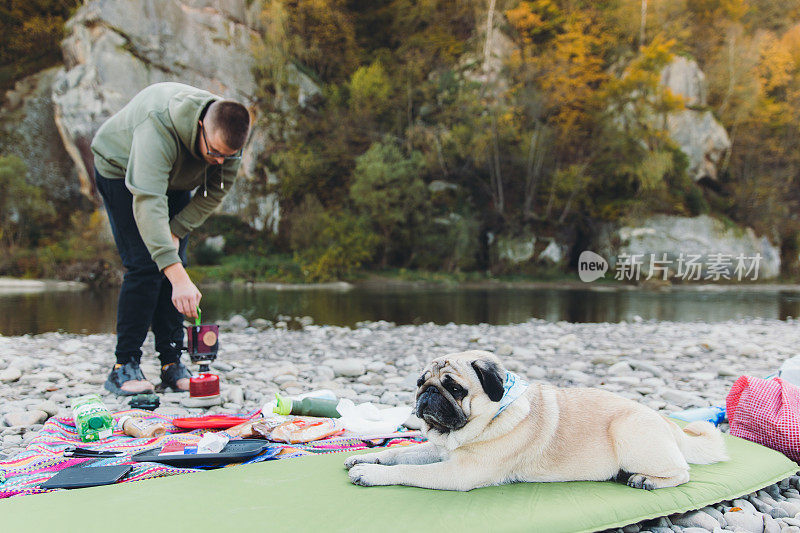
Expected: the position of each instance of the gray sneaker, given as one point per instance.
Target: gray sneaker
(121, 374)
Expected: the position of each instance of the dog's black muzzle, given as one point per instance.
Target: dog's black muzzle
(438, 411)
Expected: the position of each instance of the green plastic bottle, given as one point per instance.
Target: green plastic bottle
(92, 419)
(320, 407)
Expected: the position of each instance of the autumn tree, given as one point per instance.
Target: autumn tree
(386, 186)
(31, 32)
(570, 130)
(559, 69)
(765, 162)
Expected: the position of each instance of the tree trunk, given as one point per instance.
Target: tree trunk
(497, 172)
(731, 71)
(643, 25)
(489, 35)
(552, 197)
(439, 155)
(387, 233)
(533, 169)
(567, 206)
(409, 113)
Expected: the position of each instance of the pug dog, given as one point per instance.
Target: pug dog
(486, 426)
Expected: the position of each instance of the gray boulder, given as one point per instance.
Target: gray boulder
(745, 521)
(696, 519)
(10, 375)
(237, 322)
(349, 367)
(516, 250)
(25, 418)
(684, 77)
(702, 236)
(701, 138)
(553, 253)
(28, 129)
(694, 129)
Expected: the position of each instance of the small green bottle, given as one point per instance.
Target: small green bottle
(92, 419)
(319, 407)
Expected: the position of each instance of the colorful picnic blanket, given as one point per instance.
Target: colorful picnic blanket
(44, 456)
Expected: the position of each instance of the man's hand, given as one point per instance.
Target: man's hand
(185, 296)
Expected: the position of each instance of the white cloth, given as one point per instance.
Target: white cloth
(212, 443)
(366, 418)
(513, 387)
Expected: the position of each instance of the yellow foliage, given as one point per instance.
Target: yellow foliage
(777, 64)
(640, 85)
(713, 11)
(370, 89)
(653, 168)
(570, 74)
(529, 19)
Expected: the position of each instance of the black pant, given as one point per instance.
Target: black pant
(145, 298)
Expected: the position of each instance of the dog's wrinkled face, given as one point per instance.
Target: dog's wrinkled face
(456, 388)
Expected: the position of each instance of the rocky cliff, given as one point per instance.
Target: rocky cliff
(703, 240)
(700, 136)
(114, 49)
(28, 130)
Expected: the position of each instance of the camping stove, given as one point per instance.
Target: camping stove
(203, 344)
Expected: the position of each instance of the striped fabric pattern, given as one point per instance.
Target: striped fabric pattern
(44, 456)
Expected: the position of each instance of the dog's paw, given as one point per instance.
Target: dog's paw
(353, 460)
(639, 481)
(368, 475)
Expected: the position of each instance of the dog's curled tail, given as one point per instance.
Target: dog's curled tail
(700, 442)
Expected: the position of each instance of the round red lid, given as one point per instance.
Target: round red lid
(209, 422)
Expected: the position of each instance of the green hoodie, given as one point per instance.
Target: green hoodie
(150, 144)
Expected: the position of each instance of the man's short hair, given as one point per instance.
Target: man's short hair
(232, 120)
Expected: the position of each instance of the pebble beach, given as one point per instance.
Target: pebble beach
(668, 366)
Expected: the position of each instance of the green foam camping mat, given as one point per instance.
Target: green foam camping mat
(314, 494)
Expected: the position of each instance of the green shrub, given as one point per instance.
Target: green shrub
(343, 245)
(388, 190)
(23, 208)
(695, 201)
(305, 223)
(449, 243)
(207, 255)
(240, 238)
(274, 267)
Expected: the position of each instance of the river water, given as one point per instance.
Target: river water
(94, 311)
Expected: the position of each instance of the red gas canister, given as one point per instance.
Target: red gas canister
(204, 385)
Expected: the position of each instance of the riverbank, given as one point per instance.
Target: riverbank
(29, 286)
(23, 286)
(94, 310)
(666, 365)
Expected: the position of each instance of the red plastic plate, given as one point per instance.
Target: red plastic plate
(209, 422)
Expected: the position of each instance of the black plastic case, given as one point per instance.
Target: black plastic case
(88, 476)
(234, 451)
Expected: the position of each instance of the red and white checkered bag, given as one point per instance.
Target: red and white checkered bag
(766, 411)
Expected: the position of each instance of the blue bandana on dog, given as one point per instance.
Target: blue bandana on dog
(513, 387)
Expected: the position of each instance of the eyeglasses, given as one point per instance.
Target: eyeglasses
(212, 153)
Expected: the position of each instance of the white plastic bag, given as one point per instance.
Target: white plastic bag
(366, 418)
(212, 443)
(790, 370)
